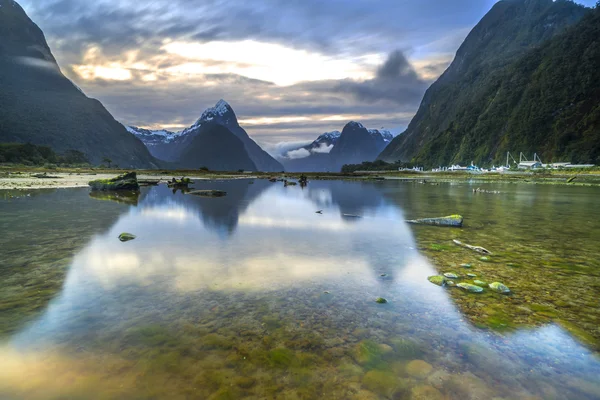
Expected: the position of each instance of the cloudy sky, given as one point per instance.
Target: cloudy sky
(291, 69)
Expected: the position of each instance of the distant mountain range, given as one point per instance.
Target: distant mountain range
(526, 79)
(205, 143)
(39, 105)
(331, 150)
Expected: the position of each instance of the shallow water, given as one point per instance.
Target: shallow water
(255, 295)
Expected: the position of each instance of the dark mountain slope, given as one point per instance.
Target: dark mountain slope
(511, 29)
(548, 103)
(38, 104)
(357, 144)
(217, 148)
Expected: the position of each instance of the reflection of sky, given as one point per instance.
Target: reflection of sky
(279, 244)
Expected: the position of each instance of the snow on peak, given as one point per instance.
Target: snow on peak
(219, 110)
(329, 136)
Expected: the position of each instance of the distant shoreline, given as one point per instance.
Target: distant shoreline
(19, 178)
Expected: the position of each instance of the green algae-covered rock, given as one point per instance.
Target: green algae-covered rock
(405, 349)
(472, 275)
(367, 353)
(450, 283)
(125, 237)
(383, 383)
(418, 369)
(126, 181)
(480, 283)
(437, 280)
(451, 275)
(499, 287)
(381, 300)
(470, 288)
(484, 258)
(466, 265)
(451, 220)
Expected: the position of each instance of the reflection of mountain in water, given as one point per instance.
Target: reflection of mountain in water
(352, 198)
(218, 214)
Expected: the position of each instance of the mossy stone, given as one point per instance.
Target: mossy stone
(381, 300)
(479, 283)
(125, 237)
(451, 275)
(437, 280)
(126, 181)
(470, 288)
(499, 287)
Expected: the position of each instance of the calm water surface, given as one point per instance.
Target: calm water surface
(255, 295)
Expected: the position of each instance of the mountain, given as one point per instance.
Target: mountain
(170, 146)
(39, 105)
(324, 143)
(357, 144)
(160, 143)
(476, 109)
(214, 146)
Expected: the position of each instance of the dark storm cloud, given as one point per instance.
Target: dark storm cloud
(396, 80)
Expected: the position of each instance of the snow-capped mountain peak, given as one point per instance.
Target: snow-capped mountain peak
(355, 124)
(222, 112)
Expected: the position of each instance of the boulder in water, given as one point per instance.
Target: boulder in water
(127, 181)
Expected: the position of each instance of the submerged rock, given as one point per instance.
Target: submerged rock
(418, 369)
(208, 193)
(125, 237)
(470, 288)
(126, 181)
(499, 287)
(426, 392)
(451, 220)
(466, 265)
(480, 283)
(451, 275)
(381, 300)
(381, 382)
(437, 280)
(471, 275)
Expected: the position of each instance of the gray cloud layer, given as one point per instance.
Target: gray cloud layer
(427, 29)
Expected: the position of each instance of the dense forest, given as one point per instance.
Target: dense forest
(30, 154)
(546, 101)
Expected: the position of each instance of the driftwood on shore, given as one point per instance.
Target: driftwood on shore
(478, 249)
(455, 221)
